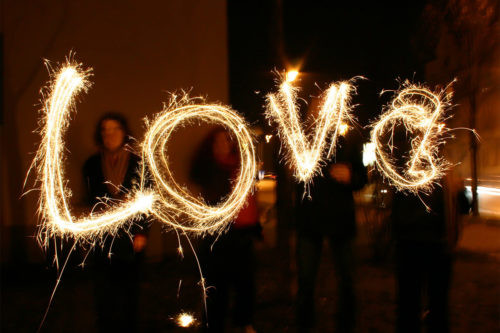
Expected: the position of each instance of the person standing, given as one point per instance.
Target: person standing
(425, 230)
(328, 211)
(228, 259)
(111, 173)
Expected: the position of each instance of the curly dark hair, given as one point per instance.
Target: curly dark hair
(118, 117)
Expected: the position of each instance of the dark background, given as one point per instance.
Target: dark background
(228, 51)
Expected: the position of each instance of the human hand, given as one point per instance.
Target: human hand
(139, 242)
(341, 173)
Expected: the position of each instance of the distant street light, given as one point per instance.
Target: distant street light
(291, 75)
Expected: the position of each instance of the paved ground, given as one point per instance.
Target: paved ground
(475, 293)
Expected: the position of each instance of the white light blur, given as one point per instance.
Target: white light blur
(485, 190)
(368, 154)
(292, 75)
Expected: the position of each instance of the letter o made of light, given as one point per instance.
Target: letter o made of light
(174, 205)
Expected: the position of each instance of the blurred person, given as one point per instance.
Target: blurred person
(110, 173)
(424, 241)
(228, 259)
(425, 231)
(328, 211)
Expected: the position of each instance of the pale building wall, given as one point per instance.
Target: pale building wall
(443, 69)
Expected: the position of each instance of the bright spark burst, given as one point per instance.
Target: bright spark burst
(292, 75)
(343, 129)
(421, 112)
(185, 320)
(306, 152)
(175, 205)
(167, 204)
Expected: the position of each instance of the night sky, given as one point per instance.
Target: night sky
(329, 42)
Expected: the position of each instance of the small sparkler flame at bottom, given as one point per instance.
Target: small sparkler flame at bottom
(185, 320)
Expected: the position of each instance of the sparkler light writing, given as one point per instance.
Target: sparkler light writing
(419, 111)
(417, 108)
(67, 83)
(167, 204)
(174, 201)
(307, 152)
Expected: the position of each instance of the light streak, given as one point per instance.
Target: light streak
(175, 205)
(306, 152)
(68, 81)
(421, 112)
(185, 320)
(268, 138)
(485, 190)
(171, 204)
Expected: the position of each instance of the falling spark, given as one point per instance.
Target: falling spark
(268, 138)
(306, 152)
(421, 112)
(185, 320)
(167, 204)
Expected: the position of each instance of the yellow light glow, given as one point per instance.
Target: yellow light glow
(292, 75)
(171, 204)
(268, 138)
(420, 111)
(343, 129)
(306, 152)
(185, 320)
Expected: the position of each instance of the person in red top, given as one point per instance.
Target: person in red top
(228, 259)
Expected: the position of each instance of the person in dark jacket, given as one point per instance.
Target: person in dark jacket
(329, 213)
(110, 174)
(425, 230)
